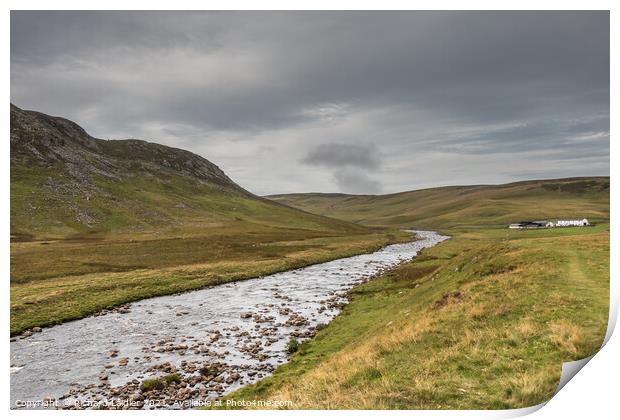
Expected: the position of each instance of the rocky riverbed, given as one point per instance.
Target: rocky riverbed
(182, 350)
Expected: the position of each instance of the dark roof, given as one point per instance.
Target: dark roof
(530, 223)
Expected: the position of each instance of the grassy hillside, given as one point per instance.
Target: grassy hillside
(482, 321)
(140, 204)
(96, 223)
(463, 206)
(65, 183)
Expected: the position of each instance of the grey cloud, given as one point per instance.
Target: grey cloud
(255, 75)
(585, 137)
(350, 165)
(344, 155)
(356, 181)
(426, 86)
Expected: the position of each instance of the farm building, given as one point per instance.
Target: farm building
(545, 224)
(528, 225)
(567, 223)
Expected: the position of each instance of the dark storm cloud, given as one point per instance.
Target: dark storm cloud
(425, 86)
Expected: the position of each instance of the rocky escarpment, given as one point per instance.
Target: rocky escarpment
(43, 140)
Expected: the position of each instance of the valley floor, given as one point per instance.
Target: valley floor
(59, 280)
(482, 321)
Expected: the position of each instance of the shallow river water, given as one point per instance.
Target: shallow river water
(232, 334)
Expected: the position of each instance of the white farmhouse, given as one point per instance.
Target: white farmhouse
(548, 224)
(567, 223)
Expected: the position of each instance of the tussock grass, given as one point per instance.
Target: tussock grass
(292, 346)
(159, 383)
(525, 389)
(567, 336)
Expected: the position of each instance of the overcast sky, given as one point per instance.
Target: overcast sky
(356, 102)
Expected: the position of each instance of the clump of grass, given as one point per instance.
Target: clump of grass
(525, 389)
(151, 384)
(478, 311)
(566, 336)
(292, 346)
(171, 378)
(526, 327)
(159, 383)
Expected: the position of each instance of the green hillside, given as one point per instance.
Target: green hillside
(66, 183)
(463, 206)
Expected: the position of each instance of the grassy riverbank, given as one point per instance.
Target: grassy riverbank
(481, 321)
(60, 280)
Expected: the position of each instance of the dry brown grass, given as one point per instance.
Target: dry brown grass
(327, 382)
(478, 310)
(567, 336)
(525, 388)
(525, 327)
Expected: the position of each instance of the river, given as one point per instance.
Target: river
(215, 339)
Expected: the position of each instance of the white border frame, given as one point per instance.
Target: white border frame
(592, 393)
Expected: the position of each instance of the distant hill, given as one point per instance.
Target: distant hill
(65, 182)
(462, 206)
